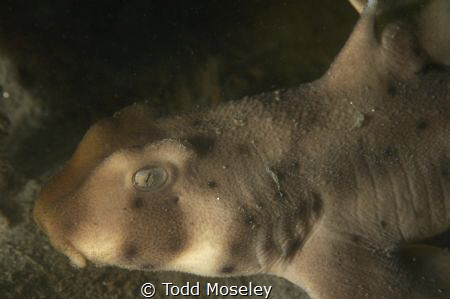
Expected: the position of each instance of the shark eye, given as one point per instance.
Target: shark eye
(149, 178)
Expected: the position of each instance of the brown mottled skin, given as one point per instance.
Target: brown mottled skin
(331, 185)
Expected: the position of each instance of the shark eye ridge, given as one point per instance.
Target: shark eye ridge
(149, 178)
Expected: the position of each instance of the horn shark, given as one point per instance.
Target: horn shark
(332, 185)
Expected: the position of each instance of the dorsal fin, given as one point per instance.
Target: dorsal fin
(358, 4)
(432, 24)
(386, 44)
(384, 4)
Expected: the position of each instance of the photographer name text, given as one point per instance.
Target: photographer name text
(215, 289)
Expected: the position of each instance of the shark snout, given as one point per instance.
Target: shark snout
(54, 221)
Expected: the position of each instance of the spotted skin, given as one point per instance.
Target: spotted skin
(333, 185)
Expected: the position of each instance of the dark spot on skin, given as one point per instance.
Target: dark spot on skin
(383, 224)
(212, 184)
(130, 251)
(244, 150)
(165, 207)
(376, 160)
(295, 166)
(227, 269)
(259, 205)
(202, 145)
(196, 123)
(175, 199)
(388, 152)
(137, 203)
(249, 219)
(355, 239)
(416, 51)
(392, 90)
(174, 245)
(421, 125)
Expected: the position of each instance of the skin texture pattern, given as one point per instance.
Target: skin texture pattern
(332, 185)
